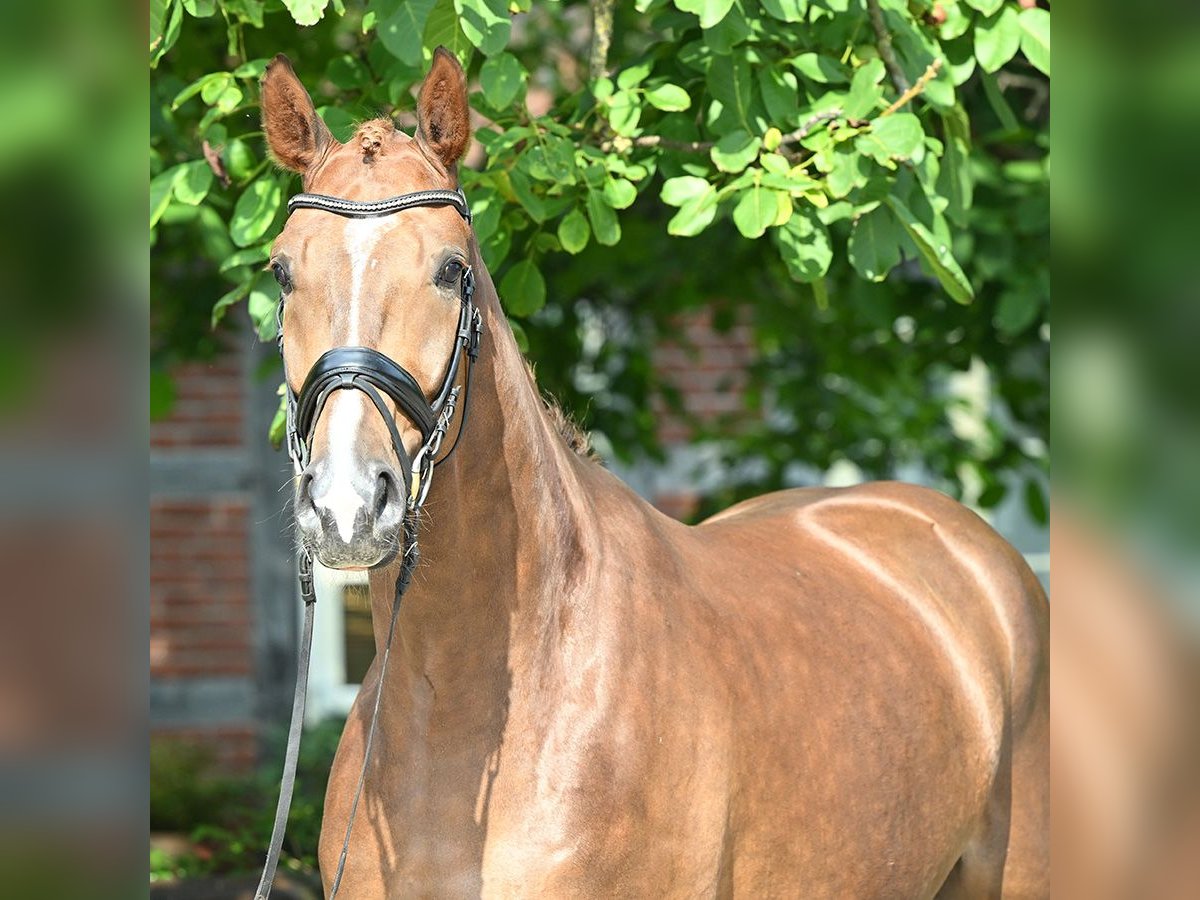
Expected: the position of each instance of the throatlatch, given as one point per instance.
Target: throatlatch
(376, 375)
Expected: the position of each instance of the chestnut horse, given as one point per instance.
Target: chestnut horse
(817, 693)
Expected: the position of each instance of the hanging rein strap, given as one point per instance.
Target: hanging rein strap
(367, 370)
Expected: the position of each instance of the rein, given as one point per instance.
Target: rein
(376, 375)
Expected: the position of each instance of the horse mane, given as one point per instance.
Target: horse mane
(578, 440)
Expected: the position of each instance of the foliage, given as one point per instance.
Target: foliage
(848, 177)
(228, 818)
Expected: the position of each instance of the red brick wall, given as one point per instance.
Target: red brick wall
(207, 411)
(708, 368)
(199, 588)
(200, 576)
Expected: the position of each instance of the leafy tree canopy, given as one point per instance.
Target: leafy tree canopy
(863, 183)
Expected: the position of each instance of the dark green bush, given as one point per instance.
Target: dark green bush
(228, 818)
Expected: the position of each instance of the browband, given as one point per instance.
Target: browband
(370, 209)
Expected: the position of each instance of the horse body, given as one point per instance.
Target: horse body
(815, 693)
(818, 693)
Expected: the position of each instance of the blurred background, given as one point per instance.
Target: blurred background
(867, 384)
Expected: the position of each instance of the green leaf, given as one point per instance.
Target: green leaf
(161, 42)
(755, 211)
(669, 97)
(624, 112)
(619, 192)
(306, 12)
(252, 69)
(730, 31)
(819, 68)
(262, 304)
(604, 221)
(1035, 37)
(1035, 502)
(197, 87)
(214, 85)
(804, 246)
(158, 19)
(486, 23)
(573, 231)
(1017, 310)
(997, 39)
(633, 76)
(400, 25)
(735, 151)
(897, 136)
(227, 300)
(195, 178)
(523, 188)
(874, 246)
(337, 120)
(502, 78)
(162, 187)
(729, 82)
(780, 93)
(677, 191)
(552, 160)
(987, 7)
(229, 99)
(255, 210)
(523, 289)
(786, 10)
(846, 172)
(710, 11)
(247, 257)
(954, 181)
(936, 255)
(865, 93)
(278, 427)
(696, 212)
(995, 97)
(442, 29)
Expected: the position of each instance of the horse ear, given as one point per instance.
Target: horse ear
(443, 115)
(295, 133)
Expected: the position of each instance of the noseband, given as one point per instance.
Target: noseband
(376, 375)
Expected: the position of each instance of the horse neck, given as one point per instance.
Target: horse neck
(501, 533)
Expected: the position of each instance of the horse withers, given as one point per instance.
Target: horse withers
(817, 693)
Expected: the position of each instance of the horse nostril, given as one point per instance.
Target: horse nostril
(305, 491)
(385, 490)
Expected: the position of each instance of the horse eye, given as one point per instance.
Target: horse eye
(281, 275)
(451, 273)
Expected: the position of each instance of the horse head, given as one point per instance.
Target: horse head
(389, 291)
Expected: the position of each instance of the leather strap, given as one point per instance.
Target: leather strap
(411, 555)
(370, 209)
(292, 755)
(341, 367)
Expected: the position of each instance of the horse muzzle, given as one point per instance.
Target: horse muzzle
(350, 520)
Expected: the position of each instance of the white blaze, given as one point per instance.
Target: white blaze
(346, 407)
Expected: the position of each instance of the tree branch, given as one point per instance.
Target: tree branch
(621, 144)
(883, 41)
(915, 90)
(602, 27)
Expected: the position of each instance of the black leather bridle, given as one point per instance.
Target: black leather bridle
(376, 375)
(373, 373)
